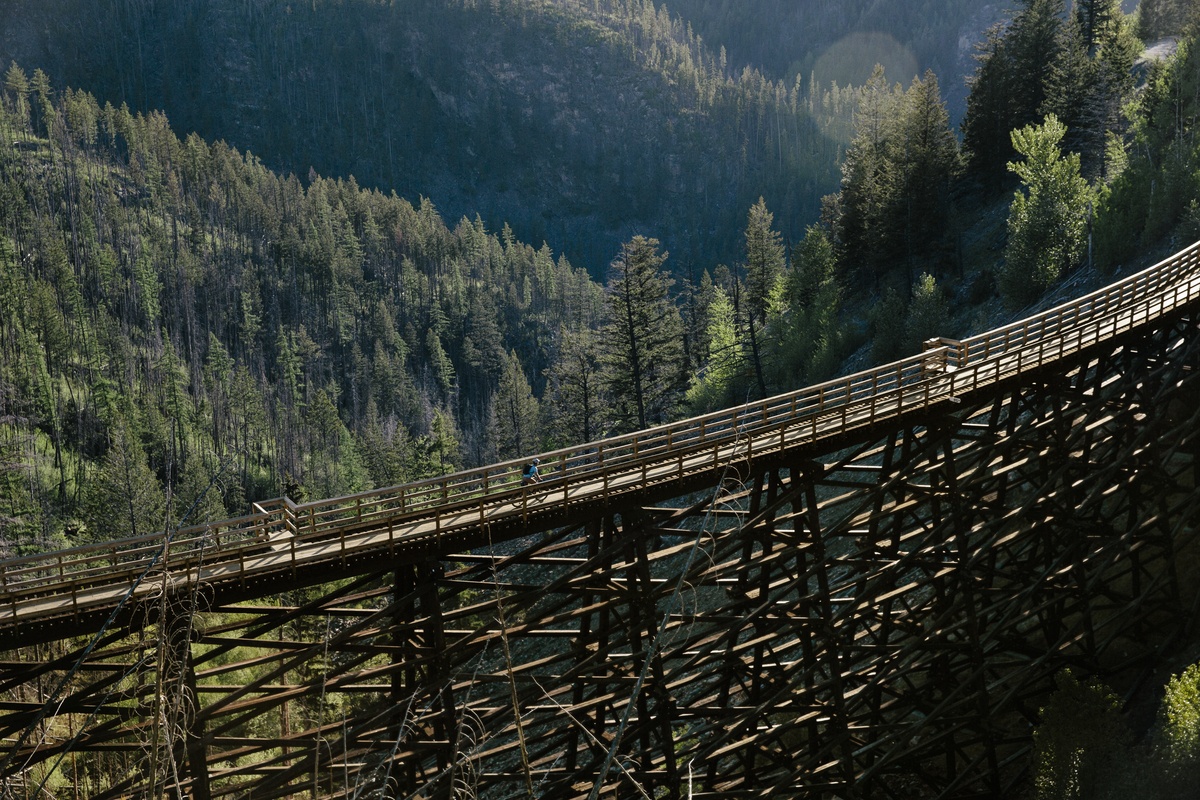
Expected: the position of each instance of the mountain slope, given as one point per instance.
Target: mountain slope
(579, 126)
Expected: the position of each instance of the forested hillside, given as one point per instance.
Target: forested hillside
(172, 306)
(578, 124)
(842, 39)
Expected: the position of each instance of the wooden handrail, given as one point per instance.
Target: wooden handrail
(946, 367)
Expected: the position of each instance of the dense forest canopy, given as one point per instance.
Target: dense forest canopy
(175, 310)
(577, 123)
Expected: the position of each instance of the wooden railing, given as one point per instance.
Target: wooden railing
(947, 368)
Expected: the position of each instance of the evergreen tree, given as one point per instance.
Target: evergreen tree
(1159, 18)
(438, 452)
(1090, 82)
(764, 272)
(574, 402)
(714, 386)
(640, 342)
(888, 323)
(697, 302)
(1069, 84)
(1095, 17)
(764, 259)
(985, 124)
(927, 161)
(866, 229)
(439, 362)
(196, 488)
(1034, 41)
(1010, 86)
(124, 498)
(513, 431)
(813, 269)
(16, 82)
(927, 314)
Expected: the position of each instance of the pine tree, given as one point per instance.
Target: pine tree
(1095, 17)
(713, 386)
(764, 259)
(574, 401)
(1090, 82)
(1010, 86)
(124, 499)
(813, 268)
(866, 230)
(196, 488)
(764, 270)
(928, 162)
(439, 363)
(641, 340)
(985, 124)
(17, 83)
(1159, 18)
(40, 83)
(696, 304)
(513, 429)
(438, 452)
(1069, 84)
(888, 318)
(927, 314)
(1034, 38)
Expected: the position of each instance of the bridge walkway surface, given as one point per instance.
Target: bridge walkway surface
(889, 535)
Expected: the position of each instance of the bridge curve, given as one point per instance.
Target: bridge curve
(891, 570)
(285, 544)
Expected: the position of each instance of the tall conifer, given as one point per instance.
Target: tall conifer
(641, 340)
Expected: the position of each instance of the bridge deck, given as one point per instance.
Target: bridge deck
(71, 591)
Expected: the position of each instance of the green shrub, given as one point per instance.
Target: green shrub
(1178, 741)
(1081, 746)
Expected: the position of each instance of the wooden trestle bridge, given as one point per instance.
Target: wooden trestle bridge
(860, 589)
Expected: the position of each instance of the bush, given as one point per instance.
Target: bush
(1081, 746)
(1178, 740)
